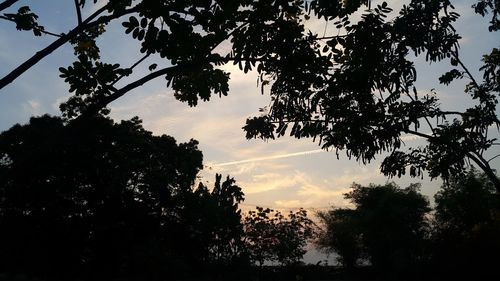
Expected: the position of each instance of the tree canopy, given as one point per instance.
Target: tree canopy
(270, 236)
(387, 226)
(96, 199)
(466, 228)
(92, 199)
(358, 93)
(354, 91)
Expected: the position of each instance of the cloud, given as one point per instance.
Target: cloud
(279, 156)
(32, 107)
(271, 181)
(300, 189)
(287, 204)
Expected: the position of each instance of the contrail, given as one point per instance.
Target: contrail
(268, 158)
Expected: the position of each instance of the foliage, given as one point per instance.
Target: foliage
(467, 227)
(94, 199)
(271, 236)
(213, 221)
(354, 91)
(184, 34)
(340, 234)
(388, 225)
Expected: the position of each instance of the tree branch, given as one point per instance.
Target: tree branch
(36, 28)
(330, 37)
(426, 136)
(7, 3)
(483, 164)
(455, 56)
(78, 12)
(88, 23)
(130, 68)
(96, 107)
(498, 155)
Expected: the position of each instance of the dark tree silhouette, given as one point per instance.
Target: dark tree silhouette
(91, 200)
(213, 221)
(271, 236)
(356, 91)
(341, 234)
(388, 225)
(467, 228)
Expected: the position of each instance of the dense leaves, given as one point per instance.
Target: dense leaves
(341, 235)
(96, 199)
(354, 91)
(270, 236)
(467, 227)
(387, 226)
(26, 20)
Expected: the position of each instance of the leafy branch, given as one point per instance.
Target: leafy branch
(63, 39)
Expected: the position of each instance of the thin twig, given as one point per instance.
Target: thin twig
(78, 12)
(130, 68)
(455, 56)
(35, 28)
(498, 155)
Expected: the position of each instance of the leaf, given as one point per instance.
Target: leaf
(144, 22)
(152, 66)
(133, 21)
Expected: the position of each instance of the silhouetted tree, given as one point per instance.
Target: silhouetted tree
(388, 224)
(213, 222)
(91, 199)
(467, 228)
(271, 236)
(341, 234)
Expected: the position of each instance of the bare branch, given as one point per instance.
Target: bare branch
(7, 3)
(484, 165)
(498, 155)
(330, 37)
(78, 12)
(130, 68)
(426, 136)
(469, 74)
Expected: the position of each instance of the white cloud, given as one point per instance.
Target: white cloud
(32, 107)
(287, 204)
(271, 157)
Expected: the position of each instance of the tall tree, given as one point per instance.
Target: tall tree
(340, 234)
(91, 200)
(214, 223)
(271, 236)
(467, 228)
(388, 224)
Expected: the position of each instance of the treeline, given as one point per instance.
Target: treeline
(99, 200)
(396, 233)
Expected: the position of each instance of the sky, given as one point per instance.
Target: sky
(284, 174)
